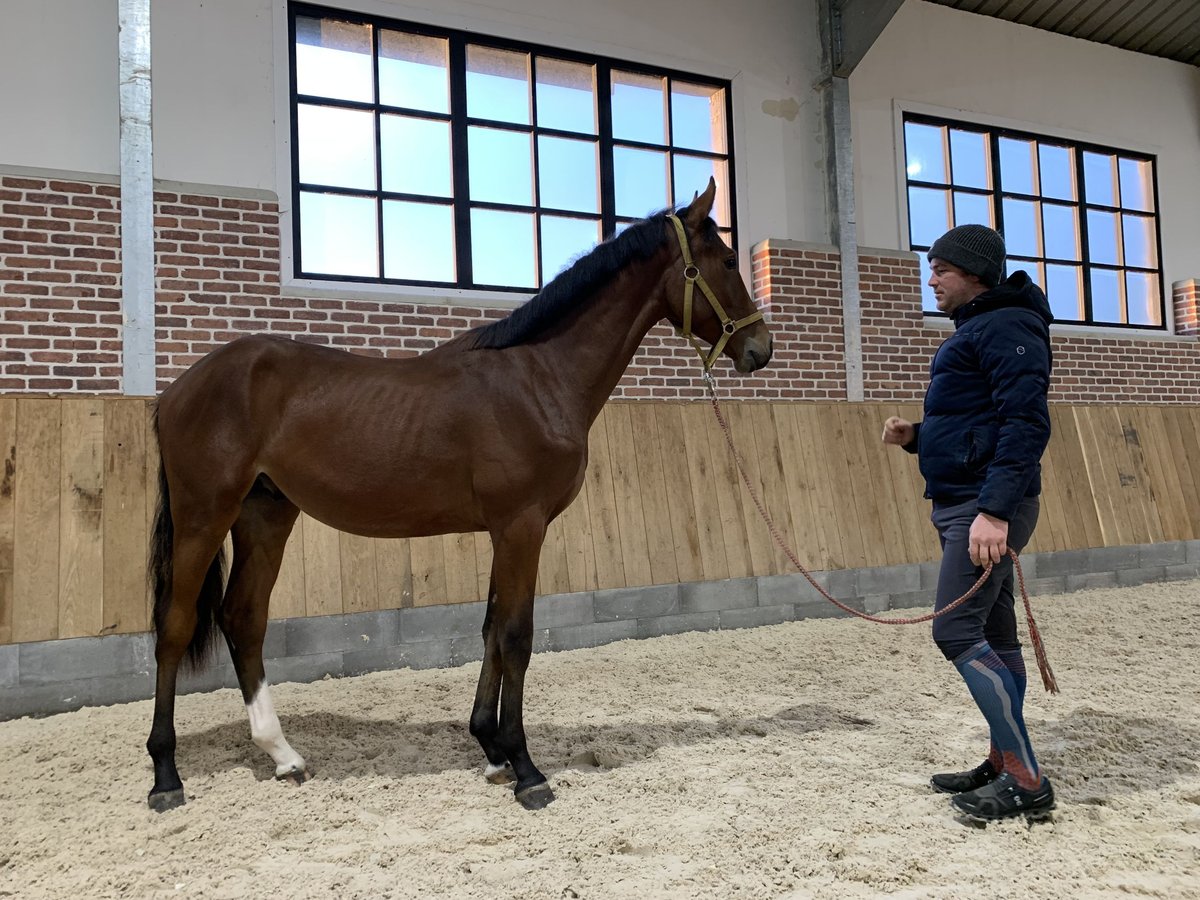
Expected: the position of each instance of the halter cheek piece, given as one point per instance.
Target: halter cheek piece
(692, 277)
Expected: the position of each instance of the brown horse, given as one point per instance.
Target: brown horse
(487, 432)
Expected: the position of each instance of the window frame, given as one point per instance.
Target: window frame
(996, 195)
(459, 121)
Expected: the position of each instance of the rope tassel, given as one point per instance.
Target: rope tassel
(1035, 636)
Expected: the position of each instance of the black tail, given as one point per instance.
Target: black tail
(162, 554)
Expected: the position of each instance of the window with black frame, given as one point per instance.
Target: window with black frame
(1080, 218)
(434, 157)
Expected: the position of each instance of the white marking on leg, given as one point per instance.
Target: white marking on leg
(492, 769)
(268, 735)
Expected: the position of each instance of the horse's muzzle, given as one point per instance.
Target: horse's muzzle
(754, 356)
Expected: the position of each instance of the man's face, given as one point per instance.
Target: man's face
(952, 286)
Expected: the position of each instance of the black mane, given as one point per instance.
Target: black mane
(572, 287)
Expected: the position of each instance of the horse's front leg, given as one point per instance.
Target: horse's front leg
(484, 722)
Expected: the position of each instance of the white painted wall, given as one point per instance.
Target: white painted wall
(935, 59)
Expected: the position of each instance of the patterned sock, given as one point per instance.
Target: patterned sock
(1014, 661)
(995, 692)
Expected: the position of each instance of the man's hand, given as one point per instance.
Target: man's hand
(988, 540)
(898, 431)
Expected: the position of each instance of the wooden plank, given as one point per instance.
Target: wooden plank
(876, 497)
(652, 480)
(577, 544)
(671, 447)
(1165, 489)
(360, 588)
(393, 573)
(483, 563)
(702, 474)
(753, 430)
(731, 493)
(1135, 478)
(553, 575)
(288, 595)
(627, 491)
(461, 575)
(799, 479)
(428, 570)
(1082, 505)
(8, 447)
(81, 510)
(602, 507)
(1183, 453)
(1053, 526)
(916, 537)
(126, 537)
(827, 504)
(322, 569)
(35, 559)
(833, 444)
(153, 466)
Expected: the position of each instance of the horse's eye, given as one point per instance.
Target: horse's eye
(731, 263)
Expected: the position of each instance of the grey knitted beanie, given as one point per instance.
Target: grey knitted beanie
(976, 249)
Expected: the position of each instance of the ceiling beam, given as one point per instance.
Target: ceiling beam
(853, 26)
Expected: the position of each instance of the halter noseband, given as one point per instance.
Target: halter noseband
(692, 277)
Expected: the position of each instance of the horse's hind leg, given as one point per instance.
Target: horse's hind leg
(484, 722)
(259, 537)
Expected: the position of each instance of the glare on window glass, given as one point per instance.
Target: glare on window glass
(928, 214)
(1140, 249)
(972, 209)
(698, 117)
(641, 181)
(414, 71)
(415, 155)
(563, 240)
(1106, 296)
(500, 165)
(336, 146)
(333, 59)
(1136, 191)
(338, 235)
(497, 84)
(691, 176)
(1064, 290)
(1100, 178)
(928, 300)
(1017, 172)
(1056, 167)
(502, 248)
(1060, 230)
(568, 174)
(1141, 293)
(925, 152)
(969, 158)
(566, 95)
(418, 241)
(639, 107)
(1103, 240)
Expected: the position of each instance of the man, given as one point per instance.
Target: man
(985, 427)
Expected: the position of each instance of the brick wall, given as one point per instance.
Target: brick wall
(218, 278)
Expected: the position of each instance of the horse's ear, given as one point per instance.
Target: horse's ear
(701, 206)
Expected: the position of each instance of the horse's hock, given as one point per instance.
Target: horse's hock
(661, 539)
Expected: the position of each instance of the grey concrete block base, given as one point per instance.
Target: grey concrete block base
(42, 678)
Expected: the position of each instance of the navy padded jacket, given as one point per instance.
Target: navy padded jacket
(986, 420)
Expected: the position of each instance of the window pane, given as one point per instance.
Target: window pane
(497, 84)
(333, 59)
(1141, 292)
(1016, 166)
(1106, 296)
(502, 248)
(1064, 290)
(928, 214)
(563, 240)
(338, 235)
(1060, 231)
(969, 158)
(698, 117)
(337, 147)
(1102, 237)
(641, 181)
(566, 95)
(638, 107)
(1099, 178)
(416, 156)
(1140, 249)
(418, 241)
(500, 165)
(925, 152)
(1057, 171)
(1021, 227)
(972, 209)
(928, 300)
(1136, 191)
(692, 174)
(414, 71)
(568, 174)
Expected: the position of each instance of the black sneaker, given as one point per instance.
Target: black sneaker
(960, 782)
(1004, 798)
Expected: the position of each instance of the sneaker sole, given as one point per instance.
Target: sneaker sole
(1037, 815)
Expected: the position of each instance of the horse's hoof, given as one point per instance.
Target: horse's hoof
(164, 800)
(295, 776)
(499, 774)
(537, 796)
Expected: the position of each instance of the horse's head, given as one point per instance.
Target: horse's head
(706, 297)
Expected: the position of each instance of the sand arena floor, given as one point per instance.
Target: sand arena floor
(788, 761)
